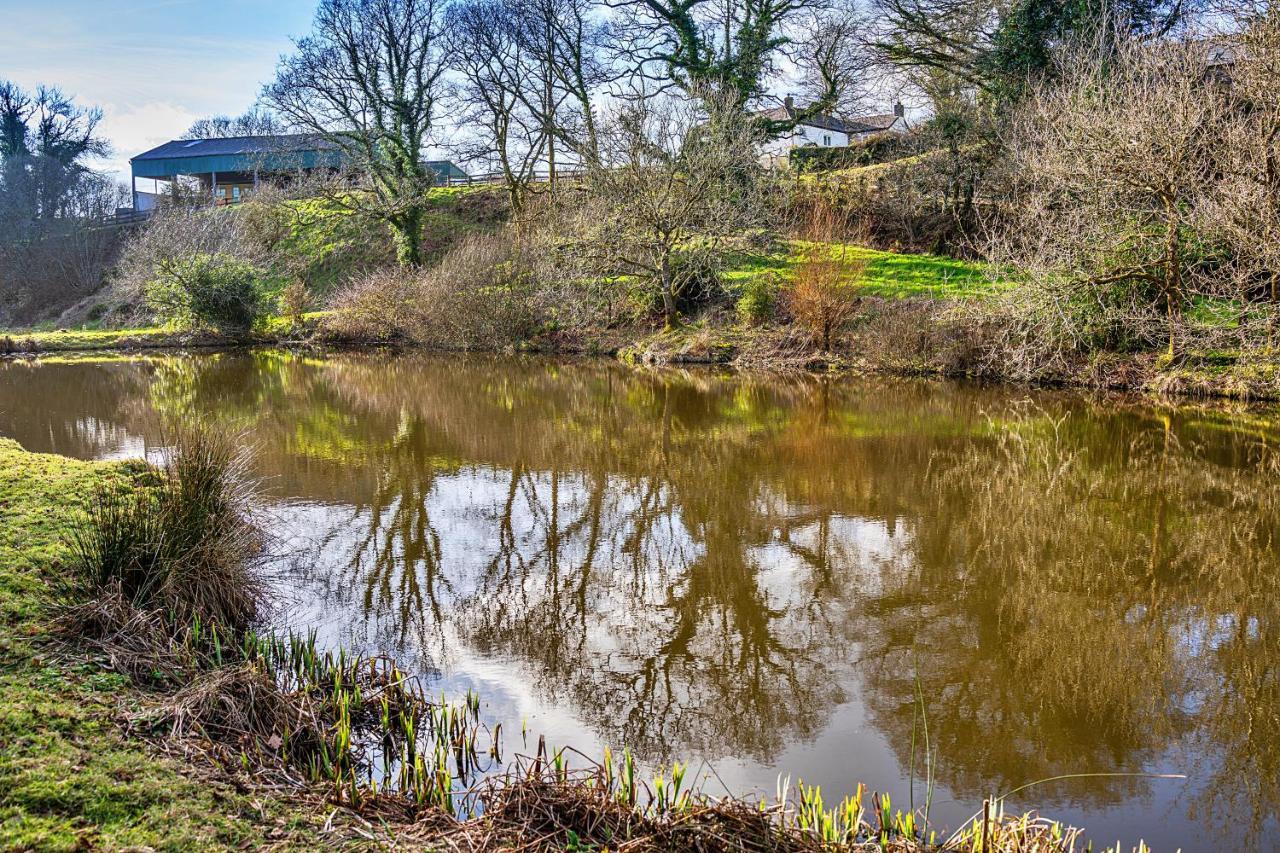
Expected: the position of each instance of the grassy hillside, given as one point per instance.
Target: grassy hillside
(324, 243)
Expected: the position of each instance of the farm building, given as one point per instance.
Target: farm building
(230, 168)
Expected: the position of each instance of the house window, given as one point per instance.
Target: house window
(826, 139)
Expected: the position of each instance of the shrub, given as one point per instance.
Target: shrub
(490, 291)
(216, 290)
(174, 236)
(293, 301)
(755, 304)
(485, 294)
(378, 306)
(824, 295)
(182, 543)
(877, 148)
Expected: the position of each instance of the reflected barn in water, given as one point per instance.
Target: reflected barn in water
(765, 574)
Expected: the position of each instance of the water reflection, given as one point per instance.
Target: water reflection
(725, 568)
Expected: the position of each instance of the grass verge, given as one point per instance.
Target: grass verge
(69, 777)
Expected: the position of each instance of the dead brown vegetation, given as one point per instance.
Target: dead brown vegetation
(824, 294)
(491, 291)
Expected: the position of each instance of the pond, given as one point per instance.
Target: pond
(766, 575)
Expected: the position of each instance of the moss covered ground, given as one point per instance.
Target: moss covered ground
(69, 777)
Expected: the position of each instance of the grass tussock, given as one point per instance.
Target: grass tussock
(183, 544)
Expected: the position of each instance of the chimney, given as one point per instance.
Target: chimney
(789, 102)
(899, 110)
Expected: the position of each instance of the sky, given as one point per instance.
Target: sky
(153, 66)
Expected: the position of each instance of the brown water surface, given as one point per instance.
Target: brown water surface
(759, 575)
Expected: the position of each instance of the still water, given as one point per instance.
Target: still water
(760, 575)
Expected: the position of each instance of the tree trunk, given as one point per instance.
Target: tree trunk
(668, 293)
(406, 233)
(549, 131)
(515, 195)
(1273, 326)
(1172, 276)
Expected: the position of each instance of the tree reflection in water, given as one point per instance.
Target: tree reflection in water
(709, 566)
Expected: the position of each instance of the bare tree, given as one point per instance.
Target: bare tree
(1243, 211)
(54, 245)
(675, 182)
(835, 66)
(368, 80)
(1001, 47)
(531, 70)
(730, 50)
(1113, 168)
(45, 140)
(255, 122)
(487, 50)
(566, 42)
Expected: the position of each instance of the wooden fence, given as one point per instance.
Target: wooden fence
(499, 177)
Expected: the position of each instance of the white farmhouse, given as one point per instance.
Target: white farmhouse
(826, 131)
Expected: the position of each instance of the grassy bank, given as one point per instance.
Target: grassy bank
(325, 249)
(70, 778)
(904, 321)
(36, 341)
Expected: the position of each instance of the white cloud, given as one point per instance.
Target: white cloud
(135, 129)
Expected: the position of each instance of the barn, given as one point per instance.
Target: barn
(229, 168)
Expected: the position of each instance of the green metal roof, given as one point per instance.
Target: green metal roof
(252, 153)
(237, 154)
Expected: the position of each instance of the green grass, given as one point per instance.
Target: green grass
(148, 337)
(90, 339)
(69, 779)
(888, 274)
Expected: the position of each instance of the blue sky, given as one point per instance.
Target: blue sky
(154, 66)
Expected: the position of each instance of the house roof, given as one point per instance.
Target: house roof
(784, 113)
(872, 123)
(238, 145)
(858, 124)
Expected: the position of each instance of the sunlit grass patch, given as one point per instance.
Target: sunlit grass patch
(886, 274)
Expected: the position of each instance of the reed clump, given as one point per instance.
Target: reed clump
(540, 804)
(360, 727)
(181, 542)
